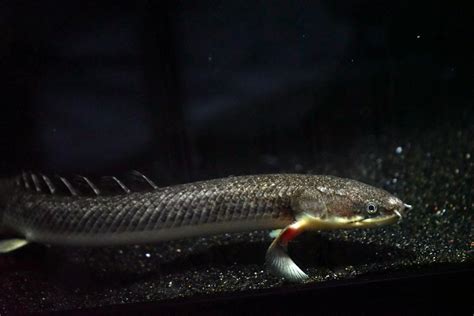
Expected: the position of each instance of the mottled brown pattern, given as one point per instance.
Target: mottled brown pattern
(252, 200)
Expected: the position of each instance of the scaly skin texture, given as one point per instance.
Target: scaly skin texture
(194, 209)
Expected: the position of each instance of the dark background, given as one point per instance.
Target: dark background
(193, 90)
(188, 90)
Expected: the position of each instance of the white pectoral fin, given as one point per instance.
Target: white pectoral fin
(8, 245)
(274, 233)
(280, 264)
(277, 259)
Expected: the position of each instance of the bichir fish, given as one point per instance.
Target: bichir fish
(32, 211)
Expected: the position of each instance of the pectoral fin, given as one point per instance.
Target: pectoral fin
(8, 245)
(280, 264)
(277, 260)
(274, 233)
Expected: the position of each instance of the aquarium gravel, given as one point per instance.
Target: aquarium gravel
(432, 171)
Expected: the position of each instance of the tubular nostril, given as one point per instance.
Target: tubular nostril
(408, 206)
(399, 214)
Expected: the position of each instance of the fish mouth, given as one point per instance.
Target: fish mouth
(358, 221)
(377, 221)
(352, 222)
(383, 220)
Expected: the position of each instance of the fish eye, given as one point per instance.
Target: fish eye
(371, 208)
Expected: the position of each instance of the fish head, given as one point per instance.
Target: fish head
(352, 204)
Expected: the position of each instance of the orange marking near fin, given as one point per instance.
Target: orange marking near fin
(291, 232)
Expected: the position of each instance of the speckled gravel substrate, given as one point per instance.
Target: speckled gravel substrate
(432, 171)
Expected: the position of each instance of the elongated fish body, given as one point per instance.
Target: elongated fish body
(291, 202)
(195, 209)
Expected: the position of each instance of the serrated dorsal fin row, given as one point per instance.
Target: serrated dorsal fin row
(82, 185)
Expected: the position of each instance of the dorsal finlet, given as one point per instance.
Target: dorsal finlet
(120, 183)
(78, 185)
(36, 183)
(68, 185)
(94, 188)
(141, 175)
(25, 180)
(49, 184)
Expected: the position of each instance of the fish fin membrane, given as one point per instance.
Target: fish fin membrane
(8, 245)
(280, 264)
(275, 233)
